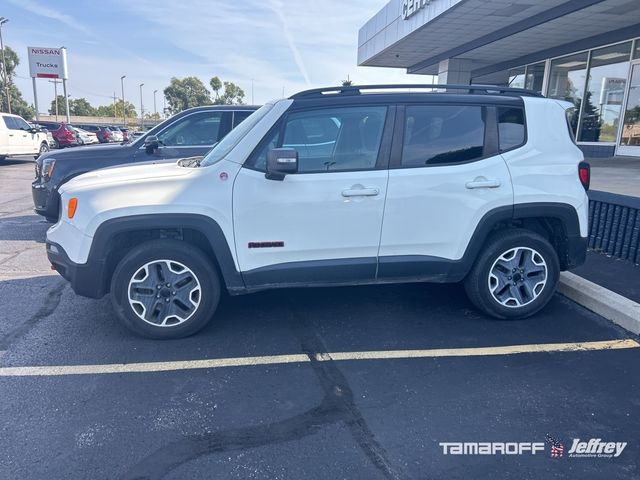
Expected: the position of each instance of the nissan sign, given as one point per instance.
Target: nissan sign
(47, 62)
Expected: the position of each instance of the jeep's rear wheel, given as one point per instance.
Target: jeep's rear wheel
(514, 276)
(165, 289)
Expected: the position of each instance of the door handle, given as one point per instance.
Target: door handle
(360, 191)
(481, 182)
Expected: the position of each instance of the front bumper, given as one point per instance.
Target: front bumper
(86, 279)
(46, 201)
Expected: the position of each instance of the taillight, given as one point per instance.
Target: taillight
(584, 172)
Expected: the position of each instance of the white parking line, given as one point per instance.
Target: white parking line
(62, 370)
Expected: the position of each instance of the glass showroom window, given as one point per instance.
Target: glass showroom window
(535, 77)
(567, 80)
(516, 77)
(605, 93)
(636, 51)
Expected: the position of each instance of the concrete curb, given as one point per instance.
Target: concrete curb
(612, 306)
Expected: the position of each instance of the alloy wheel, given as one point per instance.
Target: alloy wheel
(517, 277)
(164, 293)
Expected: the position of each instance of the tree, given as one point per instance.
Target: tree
(152, 116)
(186, 93)
(348, 82)
(81, 107)
(231, 95)
(18, 105)
(216, 85)
(108, 111)
(62, 108)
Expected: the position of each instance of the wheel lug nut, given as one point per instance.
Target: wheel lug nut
(173, 293)
(159, 287)
(157, 296)
(509, 277)
(167, 300)
(168, 284)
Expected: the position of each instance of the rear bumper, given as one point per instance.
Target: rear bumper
(86, 280)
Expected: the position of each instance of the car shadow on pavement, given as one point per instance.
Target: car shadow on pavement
(24, 227)
(15, 161)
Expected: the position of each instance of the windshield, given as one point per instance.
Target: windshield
(233, 138)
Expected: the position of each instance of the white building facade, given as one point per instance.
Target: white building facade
(584, 51)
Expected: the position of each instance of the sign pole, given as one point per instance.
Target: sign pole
(66, 98)
(35, 98)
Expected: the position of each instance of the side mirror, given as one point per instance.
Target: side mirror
(35, 130)
(151, 144)
(281, 162)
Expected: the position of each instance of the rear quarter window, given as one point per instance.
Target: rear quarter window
(511, 128)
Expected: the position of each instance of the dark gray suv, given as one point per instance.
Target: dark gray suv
(192, 132)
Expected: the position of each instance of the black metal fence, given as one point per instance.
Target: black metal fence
(614, 225)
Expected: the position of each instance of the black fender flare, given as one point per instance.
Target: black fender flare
(566, 213)
(207, 226)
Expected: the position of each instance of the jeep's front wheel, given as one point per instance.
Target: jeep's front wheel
(514, 276)
(165, 289)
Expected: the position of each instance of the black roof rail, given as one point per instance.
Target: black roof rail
(472, 89)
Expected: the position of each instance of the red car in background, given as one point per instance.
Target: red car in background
(65, 136)
(102, 132)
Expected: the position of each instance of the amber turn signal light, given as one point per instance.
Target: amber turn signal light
(73, 204)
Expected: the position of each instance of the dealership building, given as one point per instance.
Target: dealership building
(583, 51)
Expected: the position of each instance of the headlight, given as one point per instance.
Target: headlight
(48, 164)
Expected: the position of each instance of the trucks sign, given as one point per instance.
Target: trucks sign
(47, 62)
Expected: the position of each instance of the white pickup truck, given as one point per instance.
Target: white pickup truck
(17, 137)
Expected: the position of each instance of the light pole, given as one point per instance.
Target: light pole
(155, 110)
(4, 20)
(141, 108)
(124, 110)
(55, 94)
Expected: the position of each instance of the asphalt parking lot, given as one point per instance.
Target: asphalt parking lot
(278, 386)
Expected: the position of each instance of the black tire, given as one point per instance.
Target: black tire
(44, 148)
(477, 282)
(176, 251)
(51, 219)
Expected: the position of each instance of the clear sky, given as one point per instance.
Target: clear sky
(295, 44)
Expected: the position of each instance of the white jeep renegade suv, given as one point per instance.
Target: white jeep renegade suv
(341, 186)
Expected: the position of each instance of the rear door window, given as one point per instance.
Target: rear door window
(240, 116)
(443, 134)
(10, 122)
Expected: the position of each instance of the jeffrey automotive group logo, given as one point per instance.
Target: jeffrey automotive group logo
(596, 448)
(592, 448)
